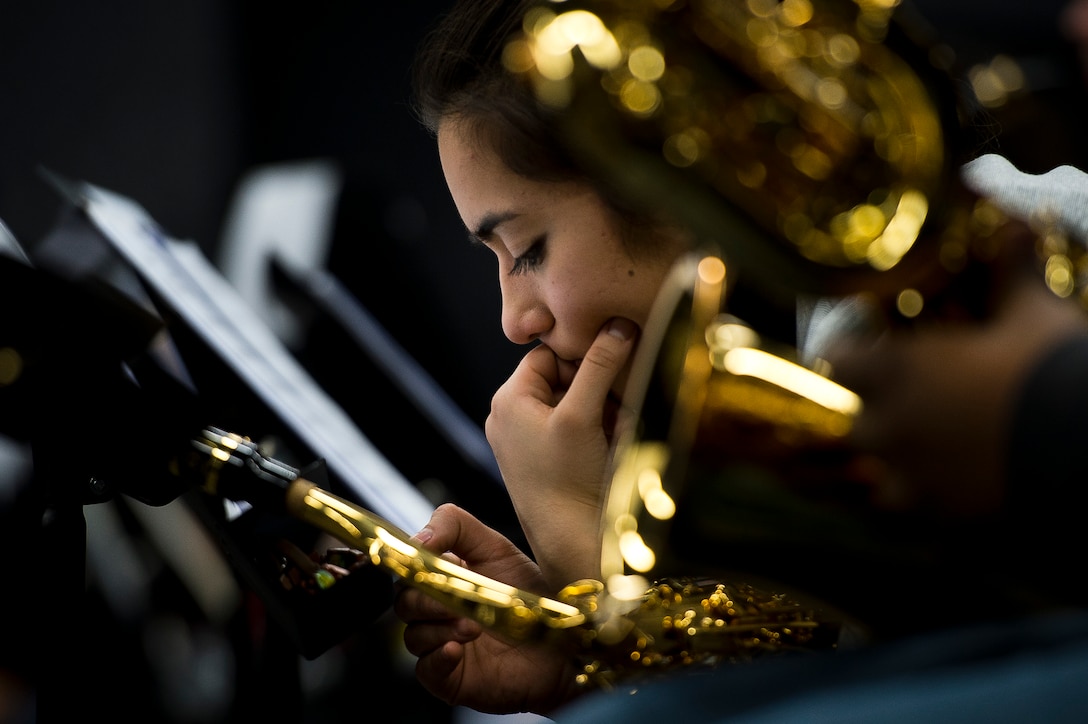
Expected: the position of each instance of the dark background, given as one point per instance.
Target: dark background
(173, 104)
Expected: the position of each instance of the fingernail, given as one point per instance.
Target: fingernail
(622, 328)
(424, 536)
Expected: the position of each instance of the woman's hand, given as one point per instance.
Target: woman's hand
(551, 428)
(464, 664)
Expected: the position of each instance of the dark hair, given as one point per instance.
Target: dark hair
(458, 72)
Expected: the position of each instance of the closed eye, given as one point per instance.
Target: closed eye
(530, 260)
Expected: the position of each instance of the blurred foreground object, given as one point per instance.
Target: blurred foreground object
(815, 150)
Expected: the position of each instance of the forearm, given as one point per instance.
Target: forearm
(565, 540)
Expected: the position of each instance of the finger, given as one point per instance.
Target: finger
(537, 375)
(602, 364)
(452, 528)
(412, 605)
(435, 669)
(535, 379)
(421, 639)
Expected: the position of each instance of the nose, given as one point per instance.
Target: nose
(525, 315)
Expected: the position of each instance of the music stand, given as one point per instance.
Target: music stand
(134, 358)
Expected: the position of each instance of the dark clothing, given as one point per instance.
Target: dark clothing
(1030, 670)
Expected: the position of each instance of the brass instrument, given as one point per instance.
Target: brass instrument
(675, 621)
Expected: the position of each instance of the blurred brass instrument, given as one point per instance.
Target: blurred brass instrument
(812, 147)
(807, 141)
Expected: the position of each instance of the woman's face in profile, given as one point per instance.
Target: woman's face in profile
(564, 269)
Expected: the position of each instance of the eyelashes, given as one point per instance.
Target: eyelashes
(530, 260)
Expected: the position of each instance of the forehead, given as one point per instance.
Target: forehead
(464, 150)
(482, 184)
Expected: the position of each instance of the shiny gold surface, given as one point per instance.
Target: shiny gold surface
(684, 622)
(642, 628)
(673, 622)
(708, 395)
(518, 614)
(788, 127)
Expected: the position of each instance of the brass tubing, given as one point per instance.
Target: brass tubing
(515, 613)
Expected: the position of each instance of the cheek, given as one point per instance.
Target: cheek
(640, 291)
(589, 301)
(576, 304)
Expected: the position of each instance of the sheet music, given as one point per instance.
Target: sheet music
(181, 273)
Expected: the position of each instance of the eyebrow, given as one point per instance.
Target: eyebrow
(486, 228)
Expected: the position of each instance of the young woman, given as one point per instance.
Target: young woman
(578, 271)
